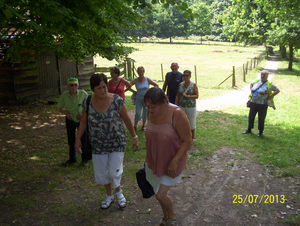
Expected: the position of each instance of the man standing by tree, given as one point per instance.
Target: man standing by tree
(70, 104)
(172, 81)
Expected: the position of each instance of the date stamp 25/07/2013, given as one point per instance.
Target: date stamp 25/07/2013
(259, 199)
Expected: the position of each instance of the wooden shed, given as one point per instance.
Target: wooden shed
(43, 75)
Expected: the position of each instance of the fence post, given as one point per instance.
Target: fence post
(162, 72)
(129, 68)
(244, 74)
(125, 69)
(233, 77)
(195, 74)
(133, 74)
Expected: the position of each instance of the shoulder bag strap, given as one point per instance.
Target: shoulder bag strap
(118, 85)
(188, 87)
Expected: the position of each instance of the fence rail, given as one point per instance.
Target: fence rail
(245, 69)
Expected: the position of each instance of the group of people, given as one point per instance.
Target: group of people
(100, 118)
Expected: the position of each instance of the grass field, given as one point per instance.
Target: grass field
(211, 63)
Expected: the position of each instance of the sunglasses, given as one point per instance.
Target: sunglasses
(263, 74)
(186, 75)
(73, 85)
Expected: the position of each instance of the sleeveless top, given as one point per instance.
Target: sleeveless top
(120, 90)
(185, 101)
(141, 88)
(162, 143)
(173, 81)
(106, 130)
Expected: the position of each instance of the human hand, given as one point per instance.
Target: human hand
(185, 95)
(135, 145)
(78, 146)
(69, 116)
(172, 168)
(79, 116)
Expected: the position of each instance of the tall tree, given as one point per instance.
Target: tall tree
(285, 28)
(245, 21)
(201, 25)
(74, 29)
(168, 22)
(217, 9)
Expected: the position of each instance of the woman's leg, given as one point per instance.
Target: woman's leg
(252, 114)
(138, 110)
(193, 134)
(262, 114)
(165, 201)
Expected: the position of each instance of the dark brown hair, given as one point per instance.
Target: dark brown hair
(116, 70)
(96, 79)
(155, 96)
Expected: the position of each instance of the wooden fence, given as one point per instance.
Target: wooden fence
(127, 69)
(246, 68)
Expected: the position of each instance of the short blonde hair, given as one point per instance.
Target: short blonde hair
(140, 68)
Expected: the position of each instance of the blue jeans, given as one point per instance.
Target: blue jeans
(139, 106)
(71, 129)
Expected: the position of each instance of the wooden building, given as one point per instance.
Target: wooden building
(40, 75)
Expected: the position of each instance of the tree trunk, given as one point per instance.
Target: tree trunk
(290, 56)
(283, 52)
(170, 39)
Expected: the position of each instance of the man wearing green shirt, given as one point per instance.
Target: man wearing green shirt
(70, 104)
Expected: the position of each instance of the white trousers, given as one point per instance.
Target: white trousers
(108, 168)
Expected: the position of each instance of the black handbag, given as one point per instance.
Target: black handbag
(248, 103)
(145, 186)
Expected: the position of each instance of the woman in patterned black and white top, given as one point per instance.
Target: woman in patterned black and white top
(107, 136)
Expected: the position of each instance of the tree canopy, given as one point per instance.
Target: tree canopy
(75, 29)
(269, 22)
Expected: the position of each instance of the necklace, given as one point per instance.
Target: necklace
(115, 82)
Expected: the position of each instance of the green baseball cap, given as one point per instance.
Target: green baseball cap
(72, 80)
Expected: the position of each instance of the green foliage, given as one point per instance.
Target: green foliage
(74, 30)
(201, 25)
(264, 22)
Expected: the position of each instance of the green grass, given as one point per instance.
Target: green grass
(214, 63)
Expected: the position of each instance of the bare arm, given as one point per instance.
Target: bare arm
(273, 94)
(195, 95)
(151, 82)
(127, 84)
(68, 115)
(128, 124)
(133, 82)
(177, 96)
(182, 126)
(165, 84)
(81, 130)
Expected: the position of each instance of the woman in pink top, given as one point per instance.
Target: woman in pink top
(168, 139)
(116, 84)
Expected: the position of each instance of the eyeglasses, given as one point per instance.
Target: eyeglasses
(73, 85)
(186, 75)
(152, 107)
